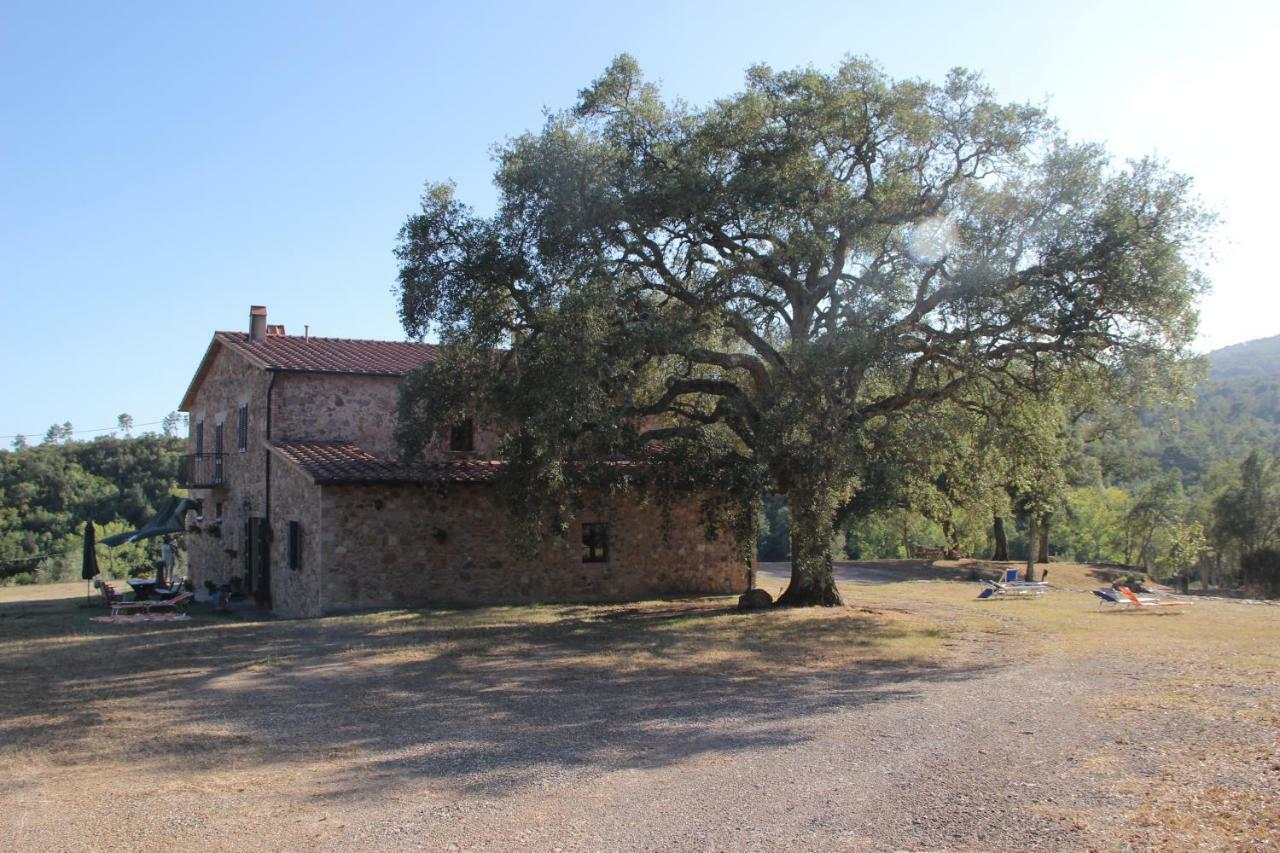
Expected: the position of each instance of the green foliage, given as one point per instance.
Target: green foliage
(1187, 545)
(773, 530)
(1093, 527)
(1262, 571)
(48, 492)
(774, 293)
(1247, 515)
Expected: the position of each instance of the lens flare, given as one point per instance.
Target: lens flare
(931, 239)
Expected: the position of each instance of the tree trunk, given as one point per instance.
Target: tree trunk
(812, 579)
(1002, 541)
(1043, 556)
(1032, 538)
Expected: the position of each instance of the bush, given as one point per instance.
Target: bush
(1262, 571)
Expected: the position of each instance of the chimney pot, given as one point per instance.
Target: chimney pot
(257, 322)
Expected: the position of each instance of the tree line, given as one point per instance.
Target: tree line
(49, 491)
(1189, 492)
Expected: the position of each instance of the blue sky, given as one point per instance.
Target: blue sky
(164, 166)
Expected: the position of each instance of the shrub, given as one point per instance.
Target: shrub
(1262, 571)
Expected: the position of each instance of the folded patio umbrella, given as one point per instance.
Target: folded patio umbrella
(89, 569)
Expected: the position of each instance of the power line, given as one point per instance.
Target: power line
(34, 558)
(82, 431)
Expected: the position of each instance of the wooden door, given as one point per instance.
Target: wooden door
(258, 566)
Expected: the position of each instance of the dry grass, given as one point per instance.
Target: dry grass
(1201, 698)
(315, 704)
(50, 651)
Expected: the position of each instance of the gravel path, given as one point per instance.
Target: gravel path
(516, 750)
(983, 760)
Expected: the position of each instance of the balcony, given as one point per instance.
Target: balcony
(202, 471)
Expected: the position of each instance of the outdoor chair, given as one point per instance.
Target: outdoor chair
(178, 585)
(1108, 596)
(117, 602)
(1010, 587)
(173, 602)
(120, 606)
(1140, 601)
(1125, 599)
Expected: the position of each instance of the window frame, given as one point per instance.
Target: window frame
(595, 542)
(467, 425)
(199, 434)
(242, 428)
(295, 546)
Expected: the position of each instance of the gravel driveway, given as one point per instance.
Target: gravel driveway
(488, 738)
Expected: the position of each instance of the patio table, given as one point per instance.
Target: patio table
(141, 587)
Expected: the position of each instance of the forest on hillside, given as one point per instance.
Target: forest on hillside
(1133, 491)
(49, 491)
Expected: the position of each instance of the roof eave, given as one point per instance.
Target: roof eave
(189, 398)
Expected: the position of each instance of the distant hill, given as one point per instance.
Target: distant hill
(1236, 410)
(1257, 359)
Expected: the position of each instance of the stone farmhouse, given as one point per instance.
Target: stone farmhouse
(292, 460)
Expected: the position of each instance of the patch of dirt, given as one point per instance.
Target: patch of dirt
(916, 718)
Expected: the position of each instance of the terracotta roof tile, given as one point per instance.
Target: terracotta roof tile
(337, 355)
(333, 462)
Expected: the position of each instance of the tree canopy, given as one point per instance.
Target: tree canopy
(48, 492)
(753, 295)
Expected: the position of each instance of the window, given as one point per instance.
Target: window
(295, 545)
(242, 428)
(462, 437)
(217, 453)
(595, 543)
(217, 513)
(199, 438)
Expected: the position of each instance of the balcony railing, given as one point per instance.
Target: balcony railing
(202, 471)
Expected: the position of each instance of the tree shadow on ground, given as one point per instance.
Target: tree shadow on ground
(889, 571)
(486, 701)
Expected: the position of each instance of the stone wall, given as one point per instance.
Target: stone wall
(359, 409)
(322, 407)
(294, 497)
(372, 546)
(216, 553)
(412, 545)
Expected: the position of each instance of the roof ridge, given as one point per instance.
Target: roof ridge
(242, 337)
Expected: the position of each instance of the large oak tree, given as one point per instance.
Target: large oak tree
(746, 294)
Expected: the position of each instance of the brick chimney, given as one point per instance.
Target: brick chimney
(257, 322)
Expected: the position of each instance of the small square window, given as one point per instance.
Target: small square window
(462, 437)
(595, 543)
(295, 545)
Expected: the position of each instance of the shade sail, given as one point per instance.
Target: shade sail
(167, 520)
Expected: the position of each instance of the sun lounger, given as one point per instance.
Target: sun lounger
(120, 606)
(172, 603)
(1010, 587)
(1126, 599)
(1140, 601)
(116, 601)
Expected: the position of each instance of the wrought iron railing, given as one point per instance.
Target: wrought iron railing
(202, 470)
